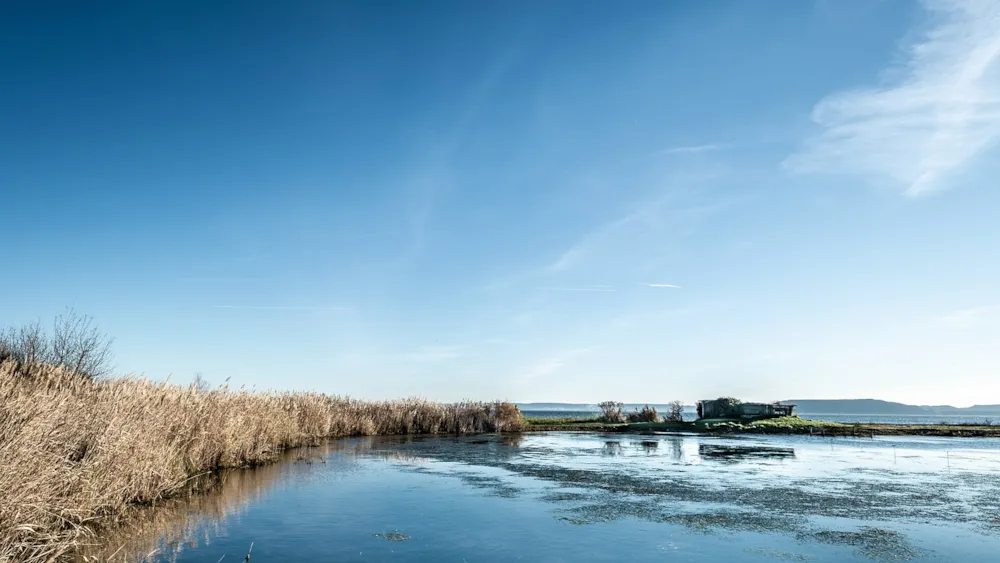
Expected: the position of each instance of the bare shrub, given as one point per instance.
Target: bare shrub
(78, 345)
(675, 412)
(645, 414)
(612, 411)
(27, 344)
(200, 384)
(75, 344)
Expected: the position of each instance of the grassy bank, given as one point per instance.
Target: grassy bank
(782, 425)
(77, 454)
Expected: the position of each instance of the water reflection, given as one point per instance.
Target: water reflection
(736, 454)
(165, 530)
(648, 447)
(676, 449)
(612, 448)
(512, 440)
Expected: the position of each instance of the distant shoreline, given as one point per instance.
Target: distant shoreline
(814, 407)
(784, 425)
(844, 418)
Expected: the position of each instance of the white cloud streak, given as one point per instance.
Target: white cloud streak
(220, 279)
(555, 362)
(566, 260)
(432, 354)
(638, 229)
(596, 288)
(970, 315)
(663, 285)
(278, 307)
(502, 342)
(694, 149)
(937, 112)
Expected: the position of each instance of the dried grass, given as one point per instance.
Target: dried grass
(78, 454)
(645, 414)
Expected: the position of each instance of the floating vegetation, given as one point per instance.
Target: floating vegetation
(778, 554)
(392, 536)
(732, 497)
(864, 499)
(576, 521)
(875, 543)
(494, 485)
(734, 520)
(567, 497)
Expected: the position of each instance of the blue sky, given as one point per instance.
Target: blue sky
(552, 201)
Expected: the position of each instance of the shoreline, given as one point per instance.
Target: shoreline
(99, 532)
(779, 426)
(82, 453)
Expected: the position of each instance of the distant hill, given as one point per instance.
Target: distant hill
(808, 406)
(586, 407)
(557, 407)
(875, 406)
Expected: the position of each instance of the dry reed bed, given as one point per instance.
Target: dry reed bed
(77, 454)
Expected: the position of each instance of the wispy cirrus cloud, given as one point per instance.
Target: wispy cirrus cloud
(694, 149)
(662, 285)
(577, 253)
(936, 113)
(964, 317)
(431, 354)
(567, 259)
(278, 307)
(502, 342)
(435, 171)
(221, 279)
(553, 363)
(593, 288)
(640, 229)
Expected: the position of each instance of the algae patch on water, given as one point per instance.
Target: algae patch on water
(778, 554)
(392, 536)
(875, 543)
(713, 485)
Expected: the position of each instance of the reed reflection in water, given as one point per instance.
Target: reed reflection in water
(172, 526)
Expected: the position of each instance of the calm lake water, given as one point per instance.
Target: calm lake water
(883, 418)
(562, 497)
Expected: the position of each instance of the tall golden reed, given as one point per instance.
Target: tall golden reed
(76, 454)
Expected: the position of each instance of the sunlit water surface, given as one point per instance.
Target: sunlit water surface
(596, 497)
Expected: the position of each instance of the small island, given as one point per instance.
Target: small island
(728, 415)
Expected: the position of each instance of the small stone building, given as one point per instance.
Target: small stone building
(727, 408)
